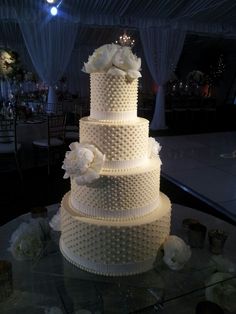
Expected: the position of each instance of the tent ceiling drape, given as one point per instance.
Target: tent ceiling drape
(101, 21)
(213, 16)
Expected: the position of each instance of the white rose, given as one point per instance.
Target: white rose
(28, 240)
(124, 59)
(153, 147)
(133, 74)
(84, 163)
(223, 293)
(55, 222)
(101, 59)
(176, 252)
(116, 72)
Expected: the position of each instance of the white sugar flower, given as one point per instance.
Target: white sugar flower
(124, 59)
(114, 60)
(116, 72)
(153, 147)
(176, 252)
(84, 163)
(55, 222)
(222, 290)
(133, 74)
(101, 59)
(28, 240)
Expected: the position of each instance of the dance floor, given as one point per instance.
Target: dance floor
(204, 165)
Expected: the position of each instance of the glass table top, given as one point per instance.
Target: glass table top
(52, 285)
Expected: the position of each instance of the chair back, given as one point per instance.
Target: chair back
(8, 131)
(56, 127)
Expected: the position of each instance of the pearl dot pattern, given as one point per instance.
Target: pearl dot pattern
(112, 93)
(114, 243)
(118, 141)
(118, 193)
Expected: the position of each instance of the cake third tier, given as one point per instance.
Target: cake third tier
(127, 194)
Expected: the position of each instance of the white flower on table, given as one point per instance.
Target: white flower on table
(84, 163)
(114, 60)
(55, 222)
(28, 240)
(221, 289)
(176, 252)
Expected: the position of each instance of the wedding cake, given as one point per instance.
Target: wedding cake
(114, 218)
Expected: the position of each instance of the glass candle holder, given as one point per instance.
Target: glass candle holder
(6, 286)
(187, 222)
(208, 307)
(37, 212)
(196, 235)
(217, 238)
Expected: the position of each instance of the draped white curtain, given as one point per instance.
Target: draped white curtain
(49, 43)
(162, 48)
(77, 80)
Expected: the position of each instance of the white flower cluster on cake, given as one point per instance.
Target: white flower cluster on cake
(84, 163)
(153, 147)
(114, 60)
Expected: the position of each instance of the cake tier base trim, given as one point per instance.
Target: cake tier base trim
(123, 215)
(113, 115)
(106, 269)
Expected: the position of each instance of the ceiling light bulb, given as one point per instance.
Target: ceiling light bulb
(53, 11)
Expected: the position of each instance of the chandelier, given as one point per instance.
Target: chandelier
(125, 40)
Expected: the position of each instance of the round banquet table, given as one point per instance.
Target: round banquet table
(51, 285)
(27, 132)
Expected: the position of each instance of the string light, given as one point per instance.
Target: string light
(125, 40)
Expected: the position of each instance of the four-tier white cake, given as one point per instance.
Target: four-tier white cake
(114, 218)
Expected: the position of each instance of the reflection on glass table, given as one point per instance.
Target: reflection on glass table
(50, 284)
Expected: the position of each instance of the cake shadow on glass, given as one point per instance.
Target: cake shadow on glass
(114, 219)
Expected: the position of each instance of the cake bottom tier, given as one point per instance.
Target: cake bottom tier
(114, 248)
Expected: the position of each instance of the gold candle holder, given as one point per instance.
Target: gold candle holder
(6, 285)
(217, 238)
(187, 222)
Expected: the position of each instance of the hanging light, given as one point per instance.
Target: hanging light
(125, 40)
(53, 10)
(53, 6)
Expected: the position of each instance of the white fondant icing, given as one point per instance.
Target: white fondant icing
(114, 215)
(106, 115)
(107, 269)
(125, 164)
(125, 247)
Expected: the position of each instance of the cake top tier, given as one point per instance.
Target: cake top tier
(115, 60)
(114, 71)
